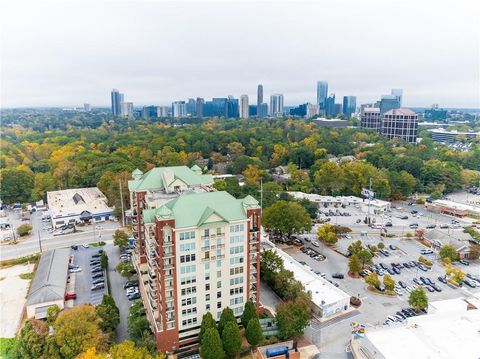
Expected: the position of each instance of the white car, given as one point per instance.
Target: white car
(398, 291)
(315, 244)
(85, 246)
(75, 270)
(408, 289)
(98, 228)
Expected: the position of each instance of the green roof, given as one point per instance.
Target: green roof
(153, 179)
(194, 209)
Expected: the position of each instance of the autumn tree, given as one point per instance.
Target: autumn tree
(327, 233)
(44, 182)
(373, 280)
(16, 185)
(388, 282)
(125, 269)
(355, 247)
(418, 298)
(120, 239)
(286, 218)
(454, 274)
(448, 251)
(354, 264)
(31, 341)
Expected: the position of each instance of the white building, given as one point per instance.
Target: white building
(276, 105)
(69, 205)
(450, 331)
(126, 109)
(244, 106)
(327, 299)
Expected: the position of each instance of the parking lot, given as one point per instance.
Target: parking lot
(83, 279)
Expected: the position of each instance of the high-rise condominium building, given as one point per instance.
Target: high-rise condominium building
(262, 110)
(179, 109)
(199, 104)
(87, 107)
(349, 105)
(322, 92)
(389, 102)
(398, 93)
(244, 106)
(330, 105)
(370, 118)
(149, 112)
(232, 107)
(400, 123)
(126, 109)
(259, 94)
(197, 251)
(191, 107)
(162, 111)
(117, 99)
(276, 105)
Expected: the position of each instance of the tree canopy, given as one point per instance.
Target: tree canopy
(286, 218)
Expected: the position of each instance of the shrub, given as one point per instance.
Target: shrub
(425, 261)
(381, 245)
(24, 229)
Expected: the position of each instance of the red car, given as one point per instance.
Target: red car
(69, 296)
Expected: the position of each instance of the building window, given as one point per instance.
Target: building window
(236, 260)
(236, 270)
(186, 247)
(189, 290)
(238, 290)
(187, 258)
(237, 228)
(207, 266)
(219, 231)
(219, 263)
(189, 301)
(219, 295)
(189, 322)
(207, 307)
(206, 232)
(187, 235)
(207, 297)
(219, 284)
(188, 269)
(207, 276)
(236, 250)
(235, 281)
(219, 273)
(207, 286)
(235, 301)
(219, 305)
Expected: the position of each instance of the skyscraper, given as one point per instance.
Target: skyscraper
(262, 110)
(244, 106)
(349, 105)
(86, 107)
(322, 91)
(191, 107)
(400, 123)
(126, 109)
(259, 94)
(179, 109)
(162, 111)
(398, 93)
(330, 105)
(117, 99)
(199, 106)
(232, 107)
(389, 102)
(276, 105)
(220, 108)
(149, 112)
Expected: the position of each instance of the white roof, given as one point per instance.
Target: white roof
(433, 336)
(456, 205)
(323, 292)
(447, 306)
(72, 202)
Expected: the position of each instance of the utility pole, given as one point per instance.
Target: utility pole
(121, 201)
(369, 199)
(39, 241)
(261, 193)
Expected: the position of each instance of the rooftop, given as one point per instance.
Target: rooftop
(74, 201)
(50, 278)
(401, 111)
(456, 205)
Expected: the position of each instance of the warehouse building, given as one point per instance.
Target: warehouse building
(78, 204)
(49, 284)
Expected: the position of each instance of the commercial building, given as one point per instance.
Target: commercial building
(333, 122)
(322, 92)
(398, 93)
(149, 112)
(327, 299)
(252, 110)
(259, 95)
(306, 110)
(443, 136)
(349, 105)
(87, 107)
(162, 111)
(201, 255)
(244, 111)
(77, 204)
(370, 118)
(435, 114)
(454, 208)
(126, 109)
(116, 99)
(191, 107)
(330, 105)
(200, 102)
(179, 109)
(262, 110)
(232, 107)
(449, 331)
(400, 123)
(389, 102)
(276, 105)
(49, 284)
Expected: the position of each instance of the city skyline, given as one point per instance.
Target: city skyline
(41, 68)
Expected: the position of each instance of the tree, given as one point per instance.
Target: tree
(52, 314)
(109, 313)
(125, 269)
(381, 245)
(104, 260)
(120, 239)
(252, 175)
(227, 316)
(355, 247)
(249, 312)
(365, 256)
(211, 347)
(128, 350)
(448, 251)
(207, 323)
(270, 264)
(373, 249)
(292, 319)
(32, 340)
(16, 185)
(354, 264)
(388, 282)
(23, 229)
(44, 182)
(78, 329)
(231, 339)
(373, 280)
(91, 353)
(418, 298)
(286, 218)
(455, 274)
(271, 191)
(254, 332)
(138, 325)
(327, 233)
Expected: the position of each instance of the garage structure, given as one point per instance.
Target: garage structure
(49, 284)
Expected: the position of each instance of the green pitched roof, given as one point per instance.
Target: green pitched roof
(193, 209)
(153, 179)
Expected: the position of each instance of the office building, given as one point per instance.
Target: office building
(443, 136)
(252, 110)
(338, 109)
(162, 111)
(200, 103)
(400, 123)
(322, 92)
(197, 251)
(262, 110)
(388, 102)
(179, 109)
(244, 110)
(398, 93)
(232, 107)
(330, 122)
(117, 99)
(191, 107)
(300, 111)
(330, 106)
(312, 110)
(349, 105)
(126, 109)
(435, 114)
(276, 105)
(219, 107)
(149, 112)
(370, 118)
(259, 95)
(86, 107)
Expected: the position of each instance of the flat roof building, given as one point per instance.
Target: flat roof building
(334, 122)
(370, 118)
(49, 284)
(443, 136)
(400, 123)
(67, 206)
(454, 208)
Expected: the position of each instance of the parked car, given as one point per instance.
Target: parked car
(398, 291)
(402, 284)
(97, 270)
(98, 281)
(413, 225)
(98, 286)
(97, 275)
(96, 255)
(338, 275)
(134, 296)
(315, 244)
(98, 228)
(431, 226)
(426, 251)
(74, 247)
(464, 262)
(442, 279)
(85, 246)
(75, 270)
(69, 296)
(392, 247)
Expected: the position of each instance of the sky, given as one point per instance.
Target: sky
(66, 53)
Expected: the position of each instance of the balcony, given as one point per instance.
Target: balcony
(253, 279)
(167, 254)
(167, 244)
(253, 269)
(254, 229)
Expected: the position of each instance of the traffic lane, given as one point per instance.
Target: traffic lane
(118, 293)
